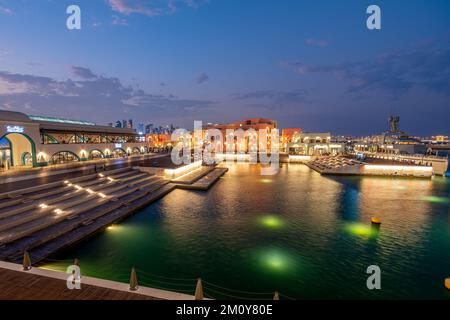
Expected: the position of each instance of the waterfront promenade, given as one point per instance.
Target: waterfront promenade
(27, 177)
(41, 284)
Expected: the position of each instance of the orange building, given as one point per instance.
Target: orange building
(158, 140)
(254, 123)
(287, 136)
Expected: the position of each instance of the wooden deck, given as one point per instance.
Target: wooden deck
(16, 285)
(44, 284)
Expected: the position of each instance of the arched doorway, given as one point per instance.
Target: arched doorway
(19, 150)
(118, 153)
(27, 159)
(64, 157)
(96, 154)
(135, 151)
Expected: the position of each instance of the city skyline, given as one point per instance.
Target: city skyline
(221, 61)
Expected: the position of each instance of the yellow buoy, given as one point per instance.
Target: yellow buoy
(376, 220)
(447, 283)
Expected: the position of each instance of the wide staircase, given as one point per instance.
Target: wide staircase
(46, 218)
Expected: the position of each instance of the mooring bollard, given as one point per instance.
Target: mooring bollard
(199, 290)
(133, 280)
(376, 221)
(26, 261)
(276, 296)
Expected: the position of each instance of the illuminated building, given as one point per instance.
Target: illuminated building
(314, 144)
(158, 140)
(288, 135)
(232, 143)
(40, 141)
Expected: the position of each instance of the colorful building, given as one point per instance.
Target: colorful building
(231, 141)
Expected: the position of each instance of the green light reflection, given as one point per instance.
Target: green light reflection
(276, 260)
(271, 221)
(362, 230)
(435, 199)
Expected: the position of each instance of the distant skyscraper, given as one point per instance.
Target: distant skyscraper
(149, 128)
(130, 124)
(140, 128)
(124, 124)
(118, 124)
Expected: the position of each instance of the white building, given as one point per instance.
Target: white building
(40, 141)
(313, 144)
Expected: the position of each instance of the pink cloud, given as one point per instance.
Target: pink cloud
(317, 42)
(151, 8)
(4, 10)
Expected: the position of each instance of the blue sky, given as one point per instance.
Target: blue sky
(308, 64)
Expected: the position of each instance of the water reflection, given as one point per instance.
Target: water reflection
(304, 234)
(271, 221)
(362, 230)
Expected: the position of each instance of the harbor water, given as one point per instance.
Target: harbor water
(305, 235)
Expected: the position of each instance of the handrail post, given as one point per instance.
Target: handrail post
(199, 290)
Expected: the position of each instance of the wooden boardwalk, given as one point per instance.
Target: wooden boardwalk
(42, 284)
(15, 285)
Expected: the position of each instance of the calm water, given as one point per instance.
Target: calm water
(305, 235)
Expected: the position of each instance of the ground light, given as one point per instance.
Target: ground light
(113, 227)
(362, 230)
(276, 260)
(266, 180)
(271, 221)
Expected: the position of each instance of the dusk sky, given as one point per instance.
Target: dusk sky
(308, 64)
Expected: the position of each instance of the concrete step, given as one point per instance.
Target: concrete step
(30, 227)
(69, 208)
(137, 174)
(10, 202)
(76, 231)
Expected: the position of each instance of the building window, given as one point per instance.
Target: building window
(63, 157)
(96, 154)
(118, 153)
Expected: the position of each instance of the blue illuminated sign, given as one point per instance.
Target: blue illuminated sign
(14, 129)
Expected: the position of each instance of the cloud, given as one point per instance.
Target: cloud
(84, 73)
(202, 77)
(93, 96)
(273, 97)
(3, 54)
(395, 72)
(151, 8)
(4, 10)
(317, 42)
(118, 21)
